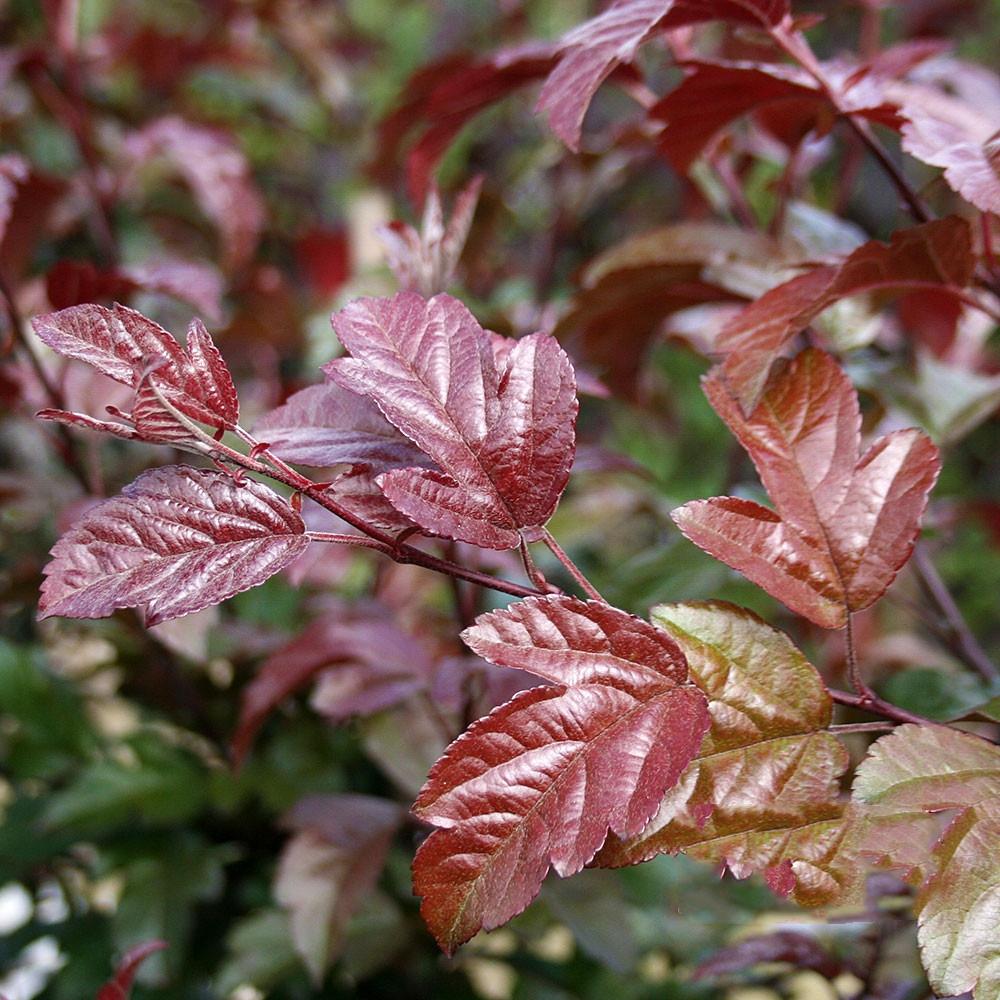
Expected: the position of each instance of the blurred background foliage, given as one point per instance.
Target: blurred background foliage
(123, 817)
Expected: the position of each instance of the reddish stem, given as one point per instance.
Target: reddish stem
(872, 703)
(797, 48)
(557, 550)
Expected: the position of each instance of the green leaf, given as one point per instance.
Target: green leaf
(149, 780)
(160, 893)
(763, 793)
(261, 953)
(50, 731)
(908, 779)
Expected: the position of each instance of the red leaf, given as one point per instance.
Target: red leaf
(442, 97)
(120, 342)
(592, 50)
(327, 425)
(787, 99)
(763, 793)
(175, 541)
(932, 255)
(376, 663)
(324, 257)
(218, 174)
(328, 868)
(798, 950)
(945, 130)
(198, 284)
(542, 779)
(503, 439)
(74, 282)
(14, 170)
(425, 262)
(120, 987)
(844, 526)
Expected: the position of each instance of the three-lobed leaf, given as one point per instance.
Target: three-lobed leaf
(844, 525)
(174, 541)
(542, 779)
(762, 795)
(502, 435)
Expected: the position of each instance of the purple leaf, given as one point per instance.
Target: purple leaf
(425, 262)
(328, 868)
(14, 170)
(175, 541)
(373, 664)
(798, 950)
(219, 177)
(504, 440)
(327, 425)
(121, 342)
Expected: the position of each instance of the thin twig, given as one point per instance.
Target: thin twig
(535, 575)
(862, 727)
(796, 47)
(400, 552)
(963, 641)
(853, 670)
(557, 550)
(872, 703)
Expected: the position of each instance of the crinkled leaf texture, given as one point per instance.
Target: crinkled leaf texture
(763, 793)
(908, 776)
(594, 49)
(935, 255)
(844, 525)
(126, 346)
(328, 868)
(174, 541)
(503, 436)
(543, 778)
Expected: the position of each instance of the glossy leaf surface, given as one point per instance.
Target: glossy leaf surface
(175, 541)
(763, 793)
(844, 524)
(503, 439)
(930, 769)
(542, 779)
(326, 425)
(121, 343)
